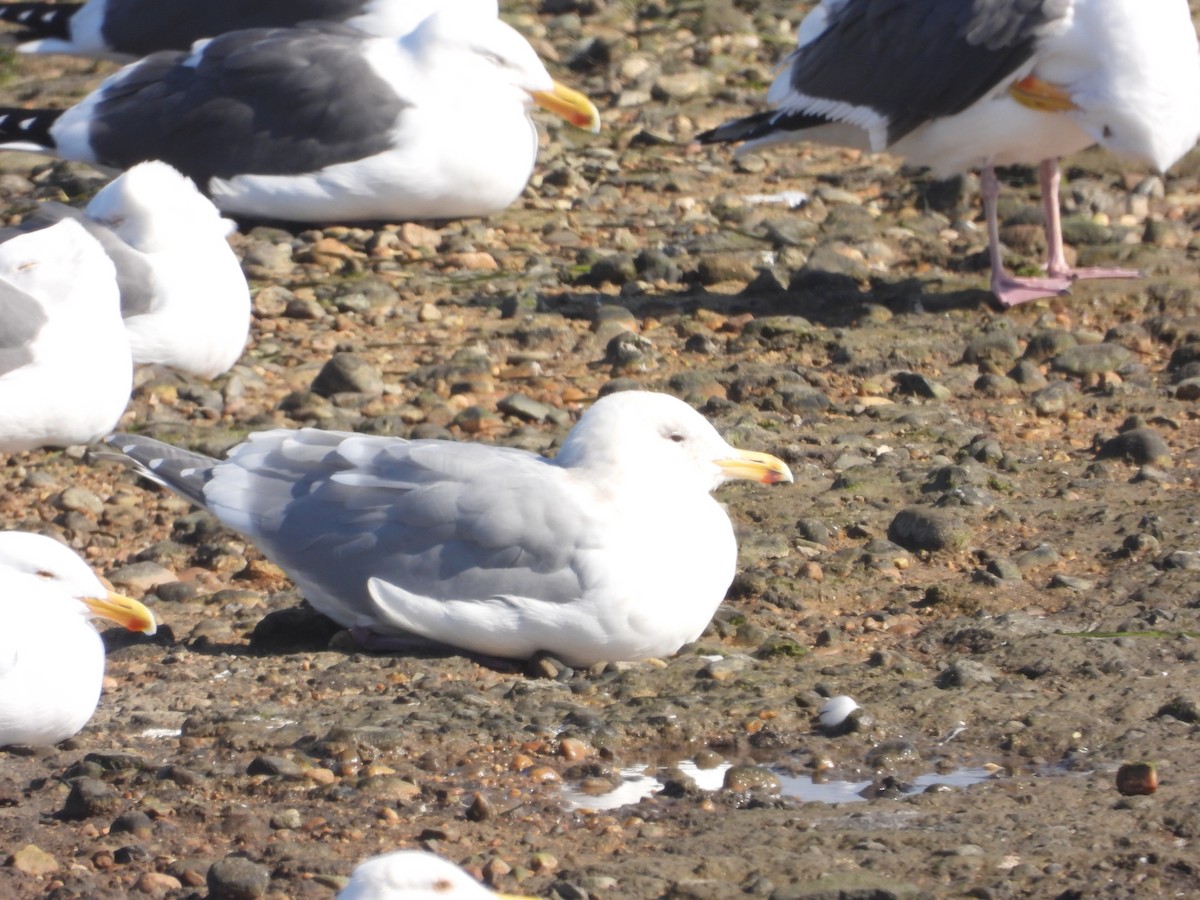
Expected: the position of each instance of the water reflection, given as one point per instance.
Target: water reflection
(643, 781)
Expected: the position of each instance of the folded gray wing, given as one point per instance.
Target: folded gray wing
(438, 518)
(21, 318)
(911, 61)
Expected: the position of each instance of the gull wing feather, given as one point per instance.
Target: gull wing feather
(442, 520)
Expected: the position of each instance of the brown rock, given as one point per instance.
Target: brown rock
(158, 883)
(33, 860)
(1137, 778)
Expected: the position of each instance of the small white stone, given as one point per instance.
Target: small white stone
(833, 712)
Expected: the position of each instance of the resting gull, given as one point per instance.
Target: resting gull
(65, 368)
(128, 29)
(51, 658)
(413, 875)
(323, 123)
(613, 550)
(961, 84)
(184, 298)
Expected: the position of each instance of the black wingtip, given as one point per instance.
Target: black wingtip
(30, 126)
(41, 20)
(768, 124)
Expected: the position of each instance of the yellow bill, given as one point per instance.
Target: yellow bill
(569, 104)
(123, 610)
(1041, 95)
(752, 466)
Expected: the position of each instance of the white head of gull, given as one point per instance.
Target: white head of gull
(613, 550)
(324, 123)
(962, 84)
(414, 875)
(65, 367)
(51, 658)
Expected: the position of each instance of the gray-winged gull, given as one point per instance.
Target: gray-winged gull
(413, 875)
(51, 658)
(127, 29)
(961, 84)
(325, 124)
(613, 550)
(184, 298)
(65, 367)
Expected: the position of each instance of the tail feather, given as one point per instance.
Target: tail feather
(51, 20)
(771, 125)
(28, 126)
(184, 472)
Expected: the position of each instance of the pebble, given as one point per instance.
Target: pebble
(967, 672)
(1046, 345)
(747, 779)
(348, 373)
(1137, 779)
(286, 818)
(682, 85)
(141, 577)
(1056, 397)
(274, 765)
(33, 860)
(524, 407)
(237, 878)
(725, 669)
(1138, 445)
(271, 301)
(90, 797)
(158, 882)
(920, 385)
(77, 499)
(923, 528)
(304, 308)
(1089, 359)
(1071, 582)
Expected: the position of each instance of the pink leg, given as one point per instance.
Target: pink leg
(1008, 289)
(1056, 260)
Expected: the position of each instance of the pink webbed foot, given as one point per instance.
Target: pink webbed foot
(1013, 291)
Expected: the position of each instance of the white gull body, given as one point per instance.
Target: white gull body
(65, 365)
(613, 550)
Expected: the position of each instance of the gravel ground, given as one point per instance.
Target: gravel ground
(991, 543)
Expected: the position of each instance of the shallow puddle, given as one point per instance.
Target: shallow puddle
(643, 781)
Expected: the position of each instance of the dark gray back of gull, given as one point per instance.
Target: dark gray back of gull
(262, 101)
(142, 27)
(916, 60)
